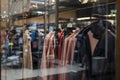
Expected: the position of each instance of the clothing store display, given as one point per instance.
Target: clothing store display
(81, 46)
(91, 48)
(58, 39)
(98, 66)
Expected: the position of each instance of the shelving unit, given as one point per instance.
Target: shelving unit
(66, 6)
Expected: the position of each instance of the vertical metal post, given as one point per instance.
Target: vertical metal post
(106, 33)
(56, 23)
(56, 13)
(49, 7)
(8, 14)
(24, 14)
(45, 15)
(23, 9)
(23, 34)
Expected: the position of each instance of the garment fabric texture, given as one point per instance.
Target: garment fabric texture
(84, 53)
(60, 44)
(27, 54)
(66, 56)
(89, 47)
(68, 49)
(48, 56)
(106, 66)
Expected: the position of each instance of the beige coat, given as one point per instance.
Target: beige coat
(27, 54)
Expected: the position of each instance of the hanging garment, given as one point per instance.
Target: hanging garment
(48, 57)
(69, 55)
(105, 48)
(51, 56)
(84, 52)
(45, 49)
(68, 49)
(27, 55)
(99, 67)
(61, 39)
(43, 61)
(71, 49)
(62, 62)
(46, 42)
(65, 49)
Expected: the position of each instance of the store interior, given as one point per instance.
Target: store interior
(58, 39)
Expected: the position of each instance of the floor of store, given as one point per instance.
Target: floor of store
(20, 74)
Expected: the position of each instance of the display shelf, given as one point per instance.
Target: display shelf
(66, 6)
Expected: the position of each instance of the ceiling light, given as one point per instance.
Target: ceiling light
(37, 2)
(85, 18)
(39, 12)
(53, 0)
(110, 15)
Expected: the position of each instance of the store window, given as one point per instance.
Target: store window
(58, 40)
